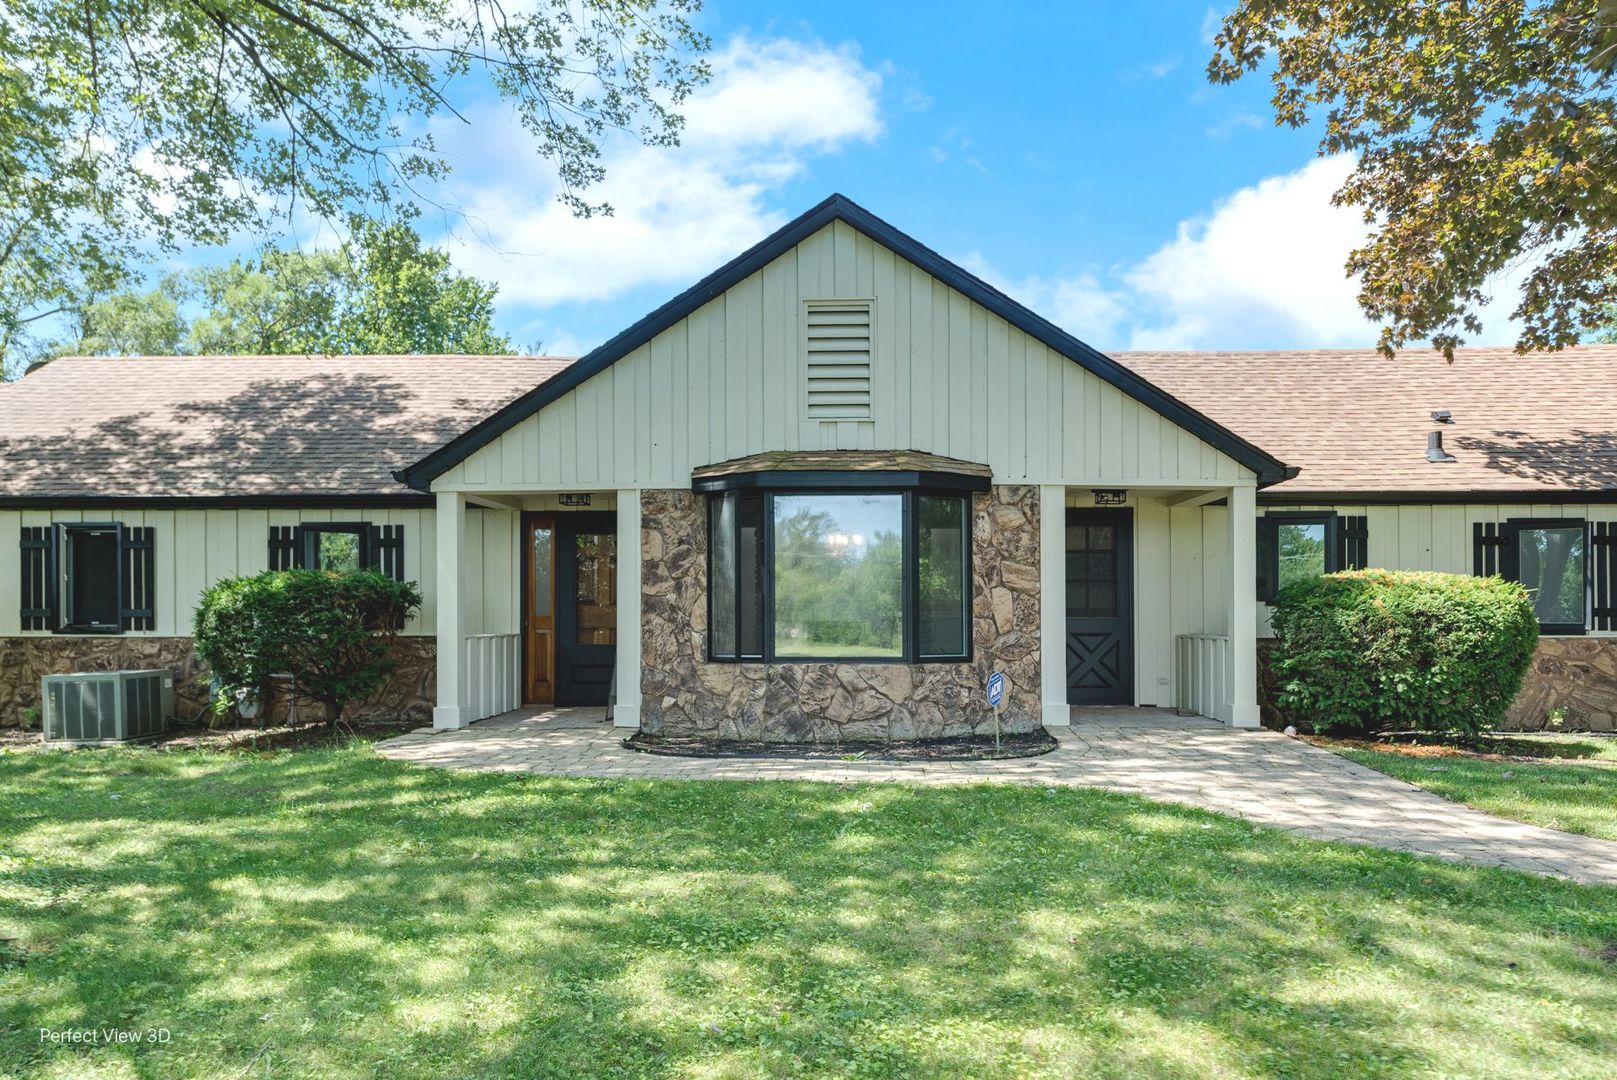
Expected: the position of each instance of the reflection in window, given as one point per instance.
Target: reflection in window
(1550, 563)
(1092, 571)
(332, 550)
(1300, 548)
(839, 577)
(597, 588)
(543, 560)
(722, 589)
(941, 576)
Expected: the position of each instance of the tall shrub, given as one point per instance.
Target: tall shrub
(1370, 649)
(331, 632)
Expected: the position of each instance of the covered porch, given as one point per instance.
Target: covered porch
(1151, 597)
(538, 603)
(1146, 597)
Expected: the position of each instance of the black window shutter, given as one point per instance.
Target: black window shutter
(283, 547)
(39, 578)
(1352, 542)
(386, 551)
(1266, 559)
(1487, 549)
(137, 550)
(1602, 540)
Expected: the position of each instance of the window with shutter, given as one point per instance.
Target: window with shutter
(338, 546)
(81, 578)
(1602, 541)
(837, 342)
(1294, 545)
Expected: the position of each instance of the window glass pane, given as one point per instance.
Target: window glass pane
(941, 580)
(1300, 547)
(750, 575)
(543, 561)
(839, 575)
(597, 588)
(1550, 563)
(722, 537)
(334, 552)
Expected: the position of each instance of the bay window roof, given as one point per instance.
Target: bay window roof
(843, 469)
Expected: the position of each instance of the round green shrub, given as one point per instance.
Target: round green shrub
(1373, 649)
(331, 632)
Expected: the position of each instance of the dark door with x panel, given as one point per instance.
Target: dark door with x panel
(1100, 607)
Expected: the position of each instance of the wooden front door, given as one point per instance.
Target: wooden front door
(586, 607)
(1100, 607)
(539, 609)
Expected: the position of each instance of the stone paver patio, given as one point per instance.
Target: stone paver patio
(1259, 775)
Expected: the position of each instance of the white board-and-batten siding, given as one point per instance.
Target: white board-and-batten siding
(947, 377)
(195, 548)
(1427, 536)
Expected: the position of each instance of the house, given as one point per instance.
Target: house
(822, 493)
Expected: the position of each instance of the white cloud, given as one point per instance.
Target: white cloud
(1079, 303)
(1264, 268)
(678, 213)
(1236, 121)
(1155, 70)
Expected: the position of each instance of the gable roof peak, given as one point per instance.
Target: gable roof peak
(838, 207)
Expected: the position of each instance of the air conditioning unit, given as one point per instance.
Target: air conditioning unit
(94, 707)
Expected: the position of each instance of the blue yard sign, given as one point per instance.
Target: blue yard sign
(996, 689)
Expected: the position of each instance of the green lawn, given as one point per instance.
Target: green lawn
(1560, 781)
(344, 916)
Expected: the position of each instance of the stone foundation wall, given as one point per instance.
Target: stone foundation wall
(804, 702)
(1574, 674)
(23, 660)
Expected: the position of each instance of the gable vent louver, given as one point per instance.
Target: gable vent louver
(838, 359)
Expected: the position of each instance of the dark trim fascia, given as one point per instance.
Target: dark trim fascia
(835, 480)
(419, 476)
(1534, 496)
(403, 500)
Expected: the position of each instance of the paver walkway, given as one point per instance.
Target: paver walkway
(1259, 775)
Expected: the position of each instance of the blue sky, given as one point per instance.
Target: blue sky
(1073, 154)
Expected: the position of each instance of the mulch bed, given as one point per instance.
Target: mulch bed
(964, 748)
(1485, 748)
(234, 739)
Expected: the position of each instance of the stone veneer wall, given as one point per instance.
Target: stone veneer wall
(23, 660)
(1577, 674)
(683, 694)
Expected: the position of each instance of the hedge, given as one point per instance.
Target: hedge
(331, 632)
(1374, 649)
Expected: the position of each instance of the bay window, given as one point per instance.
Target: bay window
(843, 575)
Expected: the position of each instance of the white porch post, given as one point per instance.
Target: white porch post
(626, 711)
(451, 710)
(1242, 709)
(1053, 604)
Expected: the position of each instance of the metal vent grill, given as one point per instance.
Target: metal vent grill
(108, 706)
(838, 360)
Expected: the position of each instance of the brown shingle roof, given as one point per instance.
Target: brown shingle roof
(243, 426)
(338, 425)
(1353, 421)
